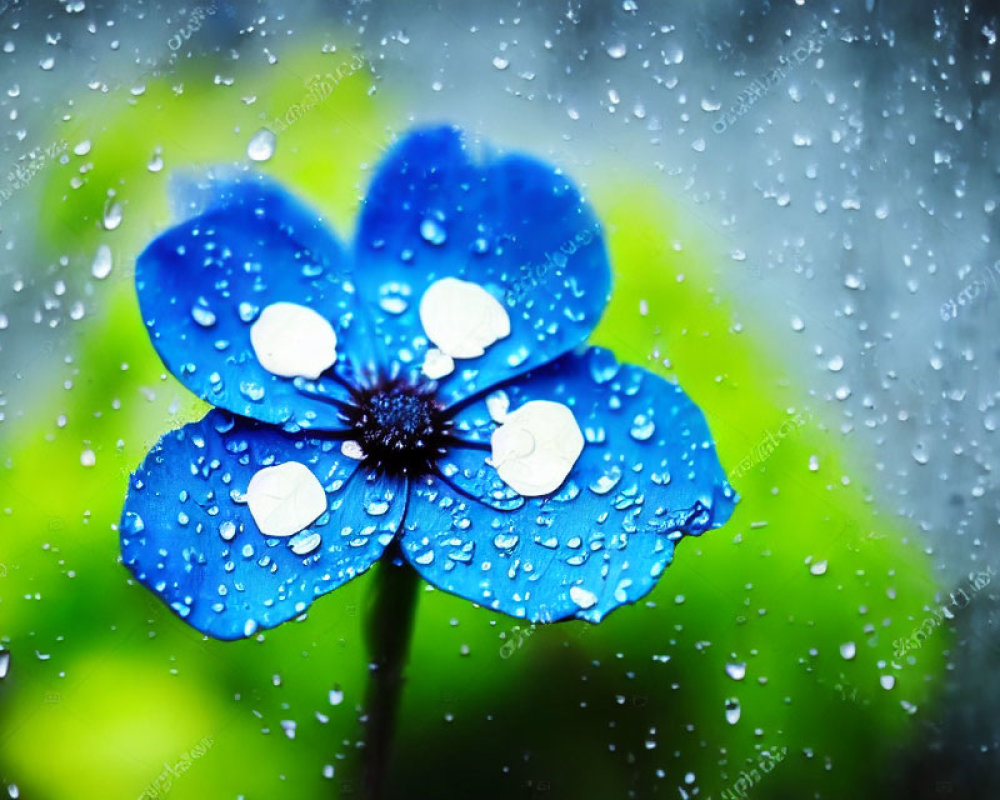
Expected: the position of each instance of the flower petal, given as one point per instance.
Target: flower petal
(188, 532)
(436, 225)
(249, 301)
(648, 474)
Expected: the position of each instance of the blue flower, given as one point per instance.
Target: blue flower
(425, 389)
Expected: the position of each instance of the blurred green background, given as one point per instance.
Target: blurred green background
(787, 614)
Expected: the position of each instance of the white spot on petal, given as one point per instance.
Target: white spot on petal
(437, 364)
(352, 449)
(582, 597)
(291, 340)
(536, 447)
(498, 404)
(284, 499)
(462, 318)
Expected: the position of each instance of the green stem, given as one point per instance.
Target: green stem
(388, 626)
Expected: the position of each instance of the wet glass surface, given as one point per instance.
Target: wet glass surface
(798, 202)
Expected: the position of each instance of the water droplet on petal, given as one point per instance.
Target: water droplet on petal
(203, 316)
(582, 597)
(302, 544)
(433, 232)
(505, 541)
(642, 428)
(608, 481)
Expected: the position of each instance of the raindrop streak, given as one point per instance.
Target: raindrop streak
(261, 145)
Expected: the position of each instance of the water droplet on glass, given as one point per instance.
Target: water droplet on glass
(848, 651)
(819, 568)
(617, 50)
(732, 710)
(261, 145)
(736, 670)
(336, 696)
(112, 215)
(4, 663)
(101, 266)
(887, 681)
(227, 530)
(88, 458)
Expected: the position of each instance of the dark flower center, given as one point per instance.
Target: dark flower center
(401, 428)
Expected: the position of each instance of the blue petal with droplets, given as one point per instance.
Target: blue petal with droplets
(188, 535)
(647, 476)
(513, 225)
(203, 283)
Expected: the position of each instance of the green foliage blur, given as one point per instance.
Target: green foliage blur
(109, 695)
